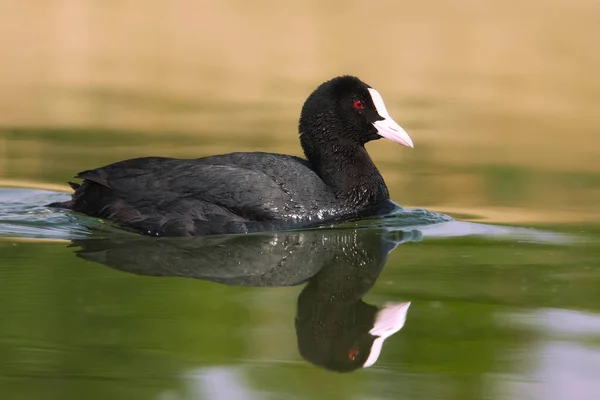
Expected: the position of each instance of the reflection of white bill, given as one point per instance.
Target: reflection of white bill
(388, 321)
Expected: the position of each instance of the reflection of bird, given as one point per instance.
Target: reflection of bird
(335, 328)
(246, 192)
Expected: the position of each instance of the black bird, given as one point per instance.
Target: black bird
(250, 192)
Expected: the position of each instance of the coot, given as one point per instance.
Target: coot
(249, 192)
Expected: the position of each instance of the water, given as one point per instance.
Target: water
(497, 250)
(496, 311)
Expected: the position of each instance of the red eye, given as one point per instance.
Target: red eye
(359, 105)
(353, 353)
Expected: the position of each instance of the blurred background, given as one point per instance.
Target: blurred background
(500, 97)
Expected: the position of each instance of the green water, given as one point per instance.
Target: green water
(496, 311)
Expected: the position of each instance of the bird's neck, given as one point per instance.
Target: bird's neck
(348, 169)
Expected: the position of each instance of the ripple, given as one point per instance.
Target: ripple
(24, 215)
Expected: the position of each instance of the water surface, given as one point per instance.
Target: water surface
(496, 311)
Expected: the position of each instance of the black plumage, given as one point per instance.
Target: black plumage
(248, 192)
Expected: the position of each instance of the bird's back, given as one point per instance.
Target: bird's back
(236, 192)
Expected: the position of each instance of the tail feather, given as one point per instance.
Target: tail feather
(74, 185)
(67, 204)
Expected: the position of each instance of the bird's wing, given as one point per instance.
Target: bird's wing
(249, 193)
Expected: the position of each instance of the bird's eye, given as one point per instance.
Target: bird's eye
(359, 105)
(353, 353)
